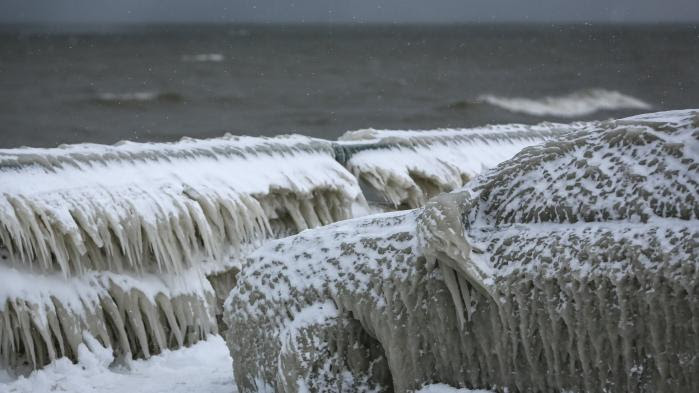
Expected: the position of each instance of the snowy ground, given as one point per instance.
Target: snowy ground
(442, 388)
(204, 367)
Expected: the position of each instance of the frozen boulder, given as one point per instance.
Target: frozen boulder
(572, 266)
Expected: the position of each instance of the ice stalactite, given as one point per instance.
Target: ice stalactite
(572, 266)
(408, 167)
(46, 316)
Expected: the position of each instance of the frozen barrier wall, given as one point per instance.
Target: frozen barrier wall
(408, 167)
(123, 236)
(571, 267)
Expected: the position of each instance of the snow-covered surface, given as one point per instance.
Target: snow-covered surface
(576, 104)
(285, 272)
(442, 388)
(409, 167)
(635, 179)
(203, 367)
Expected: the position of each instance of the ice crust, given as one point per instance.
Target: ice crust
(570, 267)
(408, 167)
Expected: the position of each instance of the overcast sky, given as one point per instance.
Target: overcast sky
(138, 11)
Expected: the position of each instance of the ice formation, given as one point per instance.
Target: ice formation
(571, 267)
(408, 167)
(116, 241)
(46, 316)
(161, 207)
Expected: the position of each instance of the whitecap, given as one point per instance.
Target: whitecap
(579, 103)
(108, 98)
(204, 57)
(133, 96)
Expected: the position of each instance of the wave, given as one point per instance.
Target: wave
(204, 57)
(579, 103)
(136, 97)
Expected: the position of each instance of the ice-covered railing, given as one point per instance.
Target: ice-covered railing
(47, 316)
(573, 266)
(409, 167)
(116, 241)
(160, 207)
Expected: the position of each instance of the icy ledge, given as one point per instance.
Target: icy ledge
(571, 267)
(405, 168)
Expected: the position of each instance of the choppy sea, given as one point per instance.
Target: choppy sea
(105, 84)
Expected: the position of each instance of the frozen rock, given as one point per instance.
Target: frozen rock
(572, 266)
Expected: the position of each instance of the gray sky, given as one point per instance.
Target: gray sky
(138, 11)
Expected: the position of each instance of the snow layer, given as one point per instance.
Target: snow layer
(442, 388)
(203, 367)
(409, 167)
(572, 266)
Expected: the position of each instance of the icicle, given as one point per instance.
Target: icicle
(113, 309)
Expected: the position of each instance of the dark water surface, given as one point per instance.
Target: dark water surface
(161, 83)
